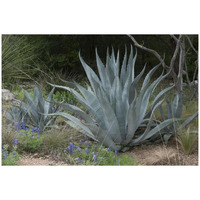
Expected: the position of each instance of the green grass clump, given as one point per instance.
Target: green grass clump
(29, 141)
(187, 140)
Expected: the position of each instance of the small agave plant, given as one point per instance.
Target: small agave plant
(34, 111)
(118, 115)
(174, 110)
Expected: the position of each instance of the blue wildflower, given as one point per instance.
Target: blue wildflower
(87, 151)
(38, 137)
(23, 126)
(79, 160)
(70, 148)
(17, 126)
(72, 102)
(14, 154)
(33, 130)
(64, 150)
(95, 157)
(87, 144)
(53, 110)
(4, 155)
(3, 147)
(95, 147)
(70, 138)
(101, 147)
(85, 136)
(79, 149)
(15, 141)
(108, 149)
(116, 152)
(37, 130)
(81, 142)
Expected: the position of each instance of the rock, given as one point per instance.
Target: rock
(7, 95)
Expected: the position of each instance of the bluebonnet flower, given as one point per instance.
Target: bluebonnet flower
(37, 130)
(23, 125)
(85, 136)
(108, 149)
(26, 128)
(87, 151)
(79, 149)
(101, 147)
(38, 137)
(33, 130)
(64, 150)
(14, 154)
(17, 126)
(70, 148)
(95, 147)
(81, 142)
(3, 147)
(4, 155)
(70, 138)
(94, 157)
(87, 144)
(72, 102)
(79, 160)
(15, 141)
(53, 110)
(116, 152)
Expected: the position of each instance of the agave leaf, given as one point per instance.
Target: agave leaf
(89, 72)
(48, 104)
(188, 120)
(146, 132)
(133, 86)
(123, 69)
(103, 137)
(148, 76)
(158, 97)
(77, 111)
(76, 121)
(109, 118)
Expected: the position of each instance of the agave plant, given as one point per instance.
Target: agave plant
(174, 110)
(118, 111)
(34, 110)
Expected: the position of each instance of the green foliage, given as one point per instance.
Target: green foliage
(16, 54)
(117, 110)
(187, 140)
(9, 158)
(64, 95)
(95, 155)
(34, 110)
(29, 141)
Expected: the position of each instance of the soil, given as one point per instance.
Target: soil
(148, 155)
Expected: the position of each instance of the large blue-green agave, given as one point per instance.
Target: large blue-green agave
(119, 116)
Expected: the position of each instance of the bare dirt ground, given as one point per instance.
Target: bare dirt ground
(148, 155)
(172, 154)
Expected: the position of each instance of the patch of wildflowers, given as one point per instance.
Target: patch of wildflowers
(15, 141)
